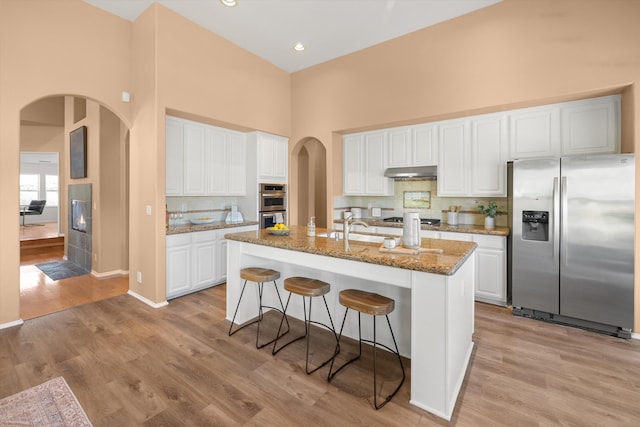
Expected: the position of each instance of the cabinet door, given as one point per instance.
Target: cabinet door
(237, 161)
(535, 132)
(178, 264)
(488, 156)
(453, 158)
(194, 160)
(203, 246)
(375, 183)
(174, 157)
(399, 149)
(266, 155)
(217, 170)
(280, 157)
(353, 164)
(491, 273)
(222, 259)
(425, 145)
(591, 126)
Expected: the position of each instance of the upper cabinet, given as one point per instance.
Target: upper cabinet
(271, 153)
(226, 155)
(174, 157)
(413, 146)
(591, 126)
(535, 132)
(588, 126)
(364, 162)
(204, 160)
(472, 157)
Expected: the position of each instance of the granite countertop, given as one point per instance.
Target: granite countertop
(190, 228)
(446, 263)
(462, 228)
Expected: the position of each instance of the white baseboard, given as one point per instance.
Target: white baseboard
(147, 300)
(112, 273)
(635, 336)
(11, 324)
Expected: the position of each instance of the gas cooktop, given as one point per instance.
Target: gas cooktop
(425, 221)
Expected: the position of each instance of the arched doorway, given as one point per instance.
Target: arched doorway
(45, 125)
(310, 157)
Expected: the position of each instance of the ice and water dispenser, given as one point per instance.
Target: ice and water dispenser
(535, 225)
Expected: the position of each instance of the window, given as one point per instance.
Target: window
(29, 188)
(51, 185)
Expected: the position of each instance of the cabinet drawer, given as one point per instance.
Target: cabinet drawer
(449, 235)
(178, 239)
(493, 242)
(203, 236)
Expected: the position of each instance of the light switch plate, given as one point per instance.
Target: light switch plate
(148, 209)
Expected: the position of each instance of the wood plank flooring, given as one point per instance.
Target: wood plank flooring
(131, 365)
(39, 294)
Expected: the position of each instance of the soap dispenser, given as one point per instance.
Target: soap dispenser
(311, 227)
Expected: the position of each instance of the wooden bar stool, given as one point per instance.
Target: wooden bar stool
(306, 287)
(375, 305)
(260, 276)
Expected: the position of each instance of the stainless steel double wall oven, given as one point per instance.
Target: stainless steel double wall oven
(273, 204)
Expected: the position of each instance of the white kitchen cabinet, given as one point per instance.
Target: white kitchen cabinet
(194, 159)
(400, 149)
(491, 265)
(204, 160)
(364, 157)
(178, 264)
(489, 150)
(472, 157)
(591, 126)
(174, 156)
(270, 153)
(534, 132)
(453, 158)
(226, 157)
(588, 126)
(204, 259)
(222, 249)
(491, 258)
(413, 146)
(424, 144)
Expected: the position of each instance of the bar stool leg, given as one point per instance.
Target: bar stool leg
(307, 333)
(260, 314)
(375, 344)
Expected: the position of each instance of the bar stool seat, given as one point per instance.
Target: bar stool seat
(260, 276)
(310, 288)
(374, 305)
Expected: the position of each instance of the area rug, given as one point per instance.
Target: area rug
(48, 404)
(58, 270)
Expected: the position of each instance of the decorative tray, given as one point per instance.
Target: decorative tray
(200, 221)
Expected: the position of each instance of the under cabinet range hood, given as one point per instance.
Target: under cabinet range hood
(412, 173)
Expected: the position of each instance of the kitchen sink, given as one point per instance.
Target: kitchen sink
(354, 237)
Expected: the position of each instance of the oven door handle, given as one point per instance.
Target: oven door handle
(264, 215)
(273, 194)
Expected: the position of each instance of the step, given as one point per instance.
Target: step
(42, 243)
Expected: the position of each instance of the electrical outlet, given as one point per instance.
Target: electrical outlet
(139, 276)
(148, 209)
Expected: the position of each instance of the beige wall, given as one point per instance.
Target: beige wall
(513, 54)
(510, 55)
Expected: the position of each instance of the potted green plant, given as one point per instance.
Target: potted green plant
(490, 210)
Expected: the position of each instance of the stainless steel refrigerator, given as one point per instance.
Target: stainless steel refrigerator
(573, 241)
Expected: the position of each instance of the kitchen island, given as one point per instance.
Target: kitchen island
(434, 292)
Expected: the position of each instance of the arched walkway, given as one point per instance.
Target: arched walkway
(309, 158)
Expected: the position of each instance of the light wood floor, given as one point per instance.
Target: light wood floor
(131, 365)
(39, 294)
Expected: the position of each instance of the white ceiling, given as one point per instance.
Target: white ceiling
(329, 28)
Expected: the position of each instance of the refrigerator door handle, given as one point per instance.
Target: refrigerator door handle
(556, 223)
(565, 246)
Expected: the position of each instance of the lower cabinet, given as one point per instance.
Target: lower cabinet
(197, 260)
(491, 265)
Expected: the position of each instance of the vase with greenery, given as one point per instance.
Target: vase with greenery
(490, 210)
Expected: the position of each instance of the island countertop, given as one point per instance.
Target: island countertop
(446, 263)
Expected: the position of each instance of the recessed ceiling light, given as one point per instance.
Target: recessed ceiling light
(229, 3)
(299, 47)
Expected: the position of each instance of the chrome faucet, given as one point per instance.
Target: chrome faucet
(348, 223)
